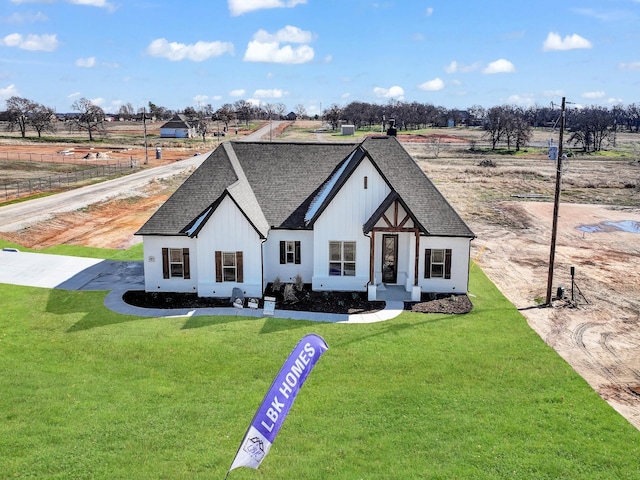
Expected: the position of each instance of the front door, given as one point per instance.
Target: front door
(389, 258)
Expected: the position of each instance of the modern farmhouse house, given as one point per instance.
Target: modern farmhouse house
(177, 127)
(349, 217)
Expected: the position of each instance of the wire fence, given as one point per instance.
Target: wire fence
(56, 181)
(64, 156)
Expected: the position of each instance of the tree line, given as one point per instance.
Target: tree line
(590, 128)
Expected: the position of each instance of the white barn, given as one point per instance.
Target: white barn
(347, 217)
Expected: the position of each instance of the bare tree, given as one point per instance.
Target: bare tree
(126, 111)
(244, 111)
(333, 115)
(301, 112)
(225, 114)
(91, 117)
(42, 118)
(19, 110)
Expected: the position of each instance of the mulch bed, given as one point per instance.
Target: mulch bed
(305, 300)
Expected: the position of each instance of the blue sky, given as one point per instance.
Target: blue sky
(315, 53)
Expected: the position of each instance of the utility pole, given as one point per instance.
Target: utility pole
(556, 205)
(146, 150)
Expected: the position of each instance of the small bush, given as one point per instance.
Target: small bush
(276, 285)
(289, 295)
(299, 283)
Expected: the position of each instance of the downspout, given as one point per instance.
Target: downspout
(263, 241)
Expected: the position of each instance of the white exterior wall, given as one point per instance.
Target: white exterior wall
(174, 133)
(458, 282)
(228, 230)
(153, 281)
(342, 220)
(288, 272)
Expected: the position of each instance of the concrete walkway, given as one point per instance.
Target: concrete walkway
(77, 273)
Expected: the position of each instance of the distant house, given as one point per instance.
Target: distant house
(291, 116)
(177, 127)
(343, 216)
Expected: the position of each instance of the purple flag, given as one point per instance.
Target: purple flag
(278, 401)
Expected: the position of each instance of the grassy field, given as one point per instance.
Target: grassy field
(88, 393)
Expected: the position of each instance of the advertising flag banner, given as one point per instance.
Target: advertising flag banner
(278, 401)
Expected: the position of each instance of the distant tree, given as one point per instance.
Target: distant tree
(19, 111)
(91, 117)
(126, 111)
(591, 127)
(200, 119)
(42, 119)
(158, 112)
(333, 115)
(300, 111)
(495, 125)
(279, 110)
(477, 114)
(244, 111)
(225, 114)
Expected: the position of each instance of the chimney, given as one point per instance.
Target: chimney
(392, 132)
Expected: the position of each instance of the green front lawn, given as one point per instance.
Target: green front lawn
(86, 393)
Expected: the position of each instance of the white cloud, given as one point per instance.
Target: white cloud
(266, 47)
(240, 92)
(594, 95)
(629, 66)
(8, 91)
(43, 43)
(269, 93)
(288, 34)
(98, 101)
(345, 95)
(328, 59)
(198, 99)
(525, 100)
(73, 95)
(570, 42)
(499, 66)
(455, 67)
(239, 7)
(432, 85)
(614, 101)
(196, 52)
(429, 11)
(20, 18)
(392, 92)
(94, 3)
(86, 62)
(553, 93)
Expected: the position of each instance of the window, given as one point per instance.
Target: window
(175, 263)
(366, 182)
(437, 263)
(342, 259)
(229, 267)
(289, 252)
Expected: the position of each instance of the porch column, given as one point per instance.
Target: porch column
(372, 246)
(417, 259)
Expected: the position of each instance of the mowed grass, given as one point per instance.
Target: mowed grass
(86, 393)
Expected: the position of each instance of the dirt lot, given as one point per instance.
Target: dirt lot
(509, 207)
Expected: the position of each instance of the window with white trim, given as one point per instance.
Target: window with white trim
(342, 259)
(229, 267)
(437, 263)
(175, 263)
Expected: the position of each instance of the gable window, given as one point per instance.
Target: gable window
(175, 263)
(437, 263)
(289, 252)
(342, 259)
(229, 267)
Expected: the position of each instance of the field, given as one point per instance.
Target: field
(86, 393)
(508, 206)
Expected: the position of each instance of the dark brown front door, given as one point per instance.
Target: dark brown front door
(389, 258)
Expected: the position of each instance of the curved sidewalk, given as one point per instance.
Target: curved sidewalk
(113, 301)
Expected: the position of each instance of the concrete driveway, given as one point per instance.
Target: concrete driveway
(69, 273)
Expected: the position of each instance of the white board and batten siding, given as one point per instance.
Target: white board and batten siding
(288, 272)
(460, 251)
(153, 271)
(228, 230)
(342, 220)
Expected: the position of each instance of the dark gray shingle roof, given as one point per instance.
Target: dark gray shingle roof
(274, 184)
